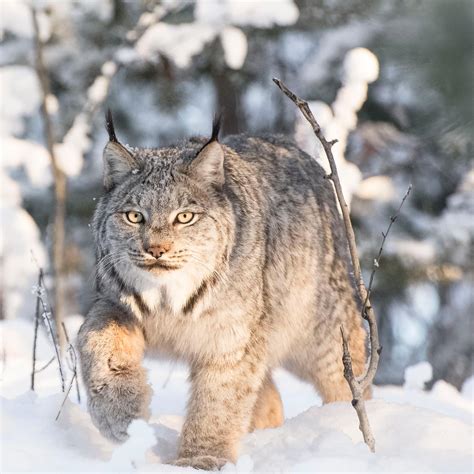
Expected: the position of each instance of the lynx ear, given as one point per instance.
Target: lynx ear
(208, 166)
(118, 162)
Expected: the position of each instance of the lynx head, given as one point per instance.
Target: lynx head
(164, 210)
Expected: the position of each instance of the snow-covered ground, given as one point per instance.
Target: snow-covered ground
(415, 430)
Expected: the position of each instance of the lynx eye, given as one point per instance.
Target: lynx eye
(184, 217)
(134, 217)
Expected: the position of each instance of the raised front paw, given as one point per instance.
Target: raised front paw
(115, 404)
(207, 463)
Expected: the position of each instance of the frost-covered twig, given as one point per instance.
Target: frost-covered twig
(41, 294)
(357, 386)
(66, 396)
(45, 366)
(60, 182)
(72, 362)
(73, 367)
(35, 338)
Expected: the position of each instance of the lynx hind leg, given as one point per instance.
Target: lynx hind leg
(268, 411)
(328, 370)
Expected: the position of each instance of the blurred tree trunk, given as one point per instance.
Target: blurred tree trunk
(60, 189)
(228, 101)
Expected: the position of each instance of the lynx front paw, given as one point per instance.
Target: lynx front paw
(207, 463)
(115, 405)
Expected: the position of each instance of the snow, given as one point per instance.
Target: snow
(468, 388)
(261, 14)
(360, 67)
(412, 251)
(377, 188)
(415, 430)
(70, 152)
(334, 43)
(417, 375)
(103, 9)
(132, 452)
(76, 142)
(32, 157)
(97, 92)
(52, 104)
(178, 42)
(16, 18)
(17, 247)
(29, 161)
(21, 97)
(23, 239)
(234, 43)
(109, 68)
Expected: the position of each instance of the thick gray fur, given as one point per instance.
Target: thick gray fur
(261, 279)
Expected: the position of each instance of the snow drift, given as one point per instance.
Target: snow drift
(415, 430)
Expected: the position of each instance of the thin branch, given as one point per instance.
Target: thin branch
(55, 344)
(376, 263)
(45, 366)
(357, 395)
(73, 361)
(367, 379)
(35, 338)
(65, 396)
(40, 291)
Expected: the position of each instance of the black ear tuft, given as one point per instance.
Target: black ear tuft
(216, 127)
(109, 125)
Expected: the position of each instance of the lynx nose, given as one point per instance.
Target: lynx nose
(158, 250)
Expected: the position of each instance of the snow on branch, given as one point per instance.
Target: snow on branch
(357, 385)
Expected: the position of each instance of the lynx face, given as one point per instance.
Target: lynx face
(165, 212)
(164, 225)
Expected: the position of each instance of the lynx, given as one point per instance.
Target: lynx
(229, 256)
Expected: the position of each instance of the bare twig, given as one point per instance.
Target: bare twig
(41, 293)
(357, 395)
(66, 396)
(357, 385)
(72, 362)
(35, 338)
(45, 366)
(376, 262)
(47, 320)
(60, 182)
